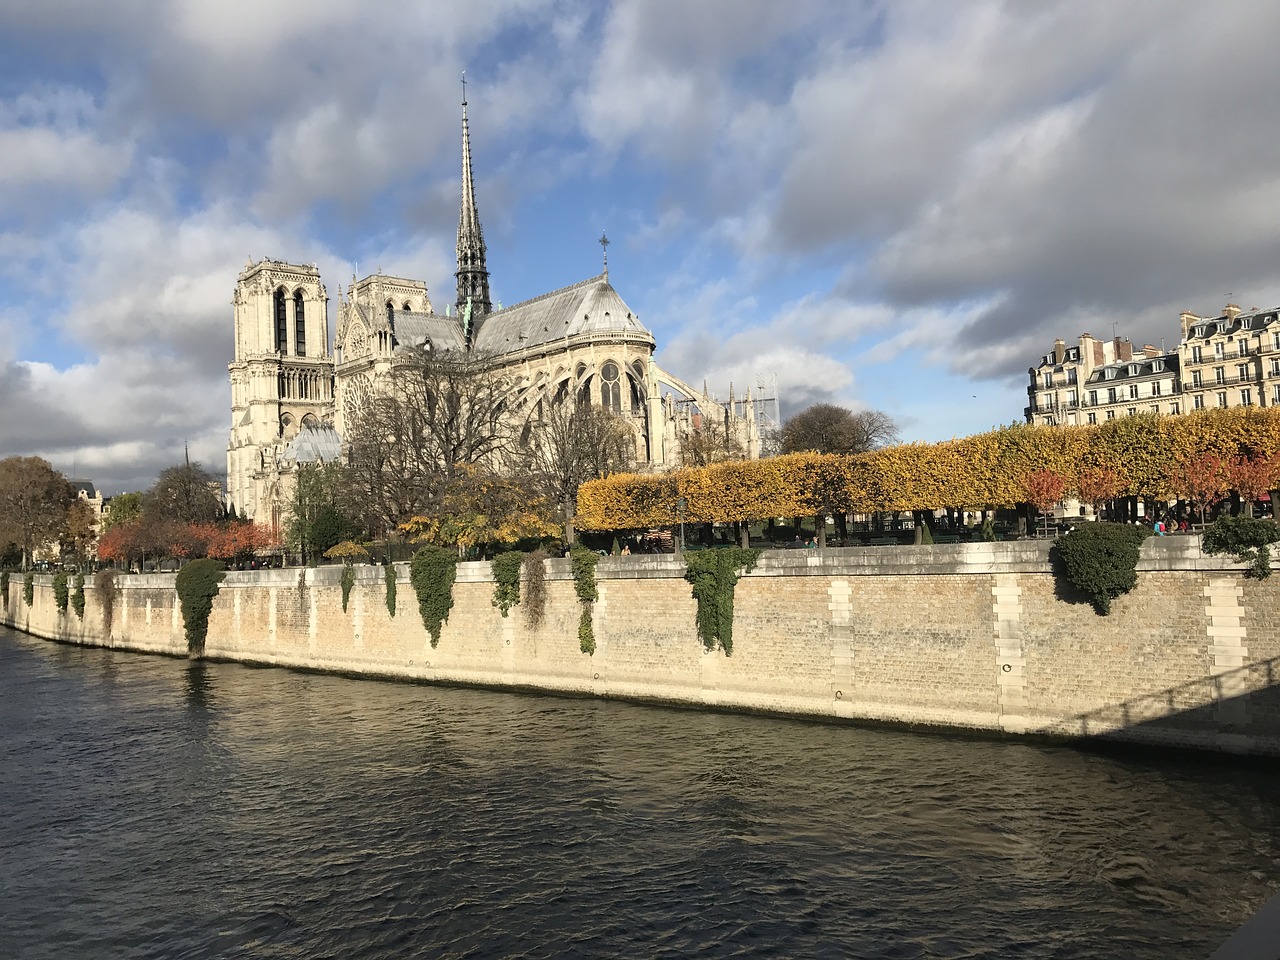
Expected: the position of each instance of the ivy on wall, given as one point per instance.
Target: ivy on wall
(506, 579)
(432, 573)
(60, 592)
(535, 588)
(197, 585)
(77, 595)
(583, 563)
(1247, 539)
(347, 582)
(104, 581)
(714, 575)
(1100, 560)
(4, 588)
(389, 577)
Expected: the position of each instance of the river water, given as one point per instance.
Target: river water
(153, 807)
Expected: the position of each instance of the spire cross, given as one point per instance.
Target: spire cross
(464, 88)
(604, 242)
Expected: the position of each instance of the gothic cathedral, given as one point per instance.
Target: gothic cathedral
(292, 397)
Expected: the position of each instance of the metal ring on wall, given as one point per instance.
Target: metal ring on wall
(839, 695)
(1006, 668)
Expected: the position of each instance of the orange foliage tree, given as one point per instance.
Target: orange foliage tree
(1251, 477)
(1201, 481)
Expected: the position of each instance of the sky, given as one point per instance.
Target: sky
(887, 205)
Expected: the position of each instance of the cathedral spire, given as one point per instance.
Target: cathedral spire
(472, 275)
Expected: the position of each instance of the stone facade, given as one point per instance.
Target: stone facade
(581, 342)
(970, 636)
(1232, 360)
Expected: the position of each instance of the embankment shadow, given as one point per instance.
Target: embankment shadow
(1236, 711)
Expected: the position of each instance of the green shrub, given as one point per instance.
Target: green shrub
(348, 581)
(389, 577)
(1246, 539)
(506, 576)
(77, 595)
(714, 574)
(1100, 560)
(104, 581)
(583, 563)
(197, 585)
(432, 573)
(988, 530)
(535, 590)
(29, 588)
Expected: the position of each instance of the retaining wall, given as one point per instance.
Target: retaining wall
(970, 636)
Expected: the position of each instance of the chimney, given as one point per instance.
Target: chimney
(1150, 350)
(1188, 318)
(1124, 350)
(1231, 311)
(1059, 351)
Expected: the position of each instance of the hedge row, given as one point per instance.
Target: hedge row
(1147, 453)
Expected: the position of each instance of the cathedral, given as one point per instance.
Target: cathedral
(292, 394)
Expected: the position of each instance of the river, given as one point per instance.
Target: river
(154, 807)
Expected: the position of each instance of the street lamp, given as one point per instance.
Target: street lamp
(681, 503)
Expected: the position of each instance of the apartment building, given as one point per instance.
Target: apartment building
(1232, 360)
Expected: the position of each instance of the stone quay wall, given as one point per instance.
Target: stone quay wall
(969, 636)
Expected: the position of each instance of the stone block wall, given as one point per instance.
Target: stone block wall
(973, 636)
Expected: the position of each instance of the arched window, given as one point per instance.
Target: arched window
(391, 312)
(282, 323)
(299, 325)
(610, 389)
(406, 306)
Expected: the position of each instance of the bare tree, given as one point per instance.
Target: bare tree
(827, 428)
(710, 441)
(569, 444)
(34, 499)
(184, 494)
(442, 414)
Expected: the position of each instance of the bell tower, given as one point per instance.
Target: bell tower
(281, 376)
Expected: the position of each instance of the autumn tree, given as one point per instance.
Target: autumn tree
(1099, 485)
(569, 444)
(1044, 489)
(33, 503)
(1251, 477)
(79, 530)
(827, 428)
(1201, 481)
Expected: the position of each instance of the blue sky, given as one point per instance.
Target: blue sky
(888, 205)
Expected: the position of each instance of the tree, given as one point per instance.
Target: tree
(121, 508)
(1098, 485)
(185, 494)
(1044, 489)
(79, 530)
(570, 444)
(33, 503)
(710, 441)
(443, 412)
(1201, 481)
(1251, 477)
(827, 428)
(320, 516)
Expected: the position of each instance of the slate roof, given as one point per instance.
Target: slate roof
(1146, 367)
(588, 307)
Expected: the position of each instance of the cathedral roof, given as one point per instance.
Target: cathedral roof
(413, 329)
(589, 307)
(319, 444)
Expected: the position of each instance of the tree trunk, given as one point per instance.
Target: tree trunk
(820, 525)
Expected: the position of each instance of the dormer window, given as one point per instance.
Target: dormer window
(1110, 373)
(1222, 326)
(1157, 366)
(1133, 369)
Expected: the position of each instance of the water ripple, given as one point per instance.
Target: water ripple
(155, 808)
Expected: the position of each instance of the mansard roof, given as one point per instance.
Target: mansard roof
(1207, 327)
(585, 308)
(1141, 365)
